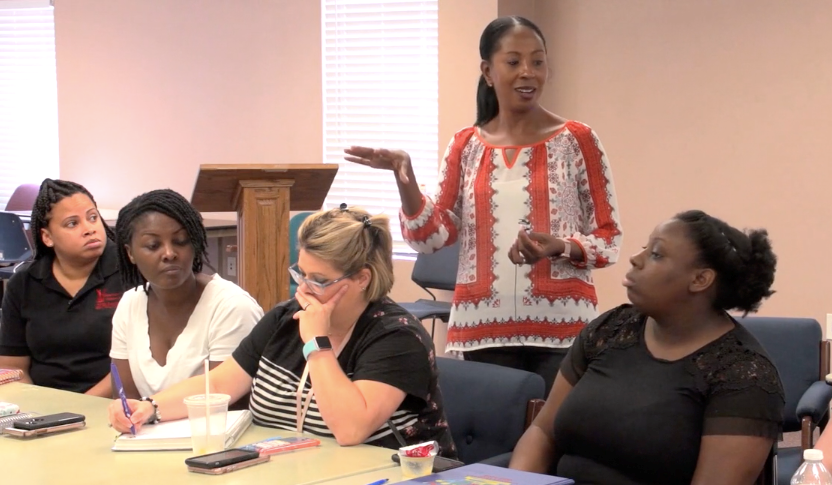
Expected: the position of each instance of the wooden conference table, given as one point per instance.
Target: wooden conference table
(84, 456)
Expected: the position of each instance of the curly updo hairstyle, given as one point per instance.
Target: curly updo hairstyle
(743, 260)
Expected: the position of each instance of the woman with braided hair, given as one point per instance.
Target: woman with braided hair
(58, 310)
(175, 316)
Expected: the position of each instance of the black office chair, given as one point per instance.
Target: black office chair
(14, 245)
(434, 271)
(15, 248)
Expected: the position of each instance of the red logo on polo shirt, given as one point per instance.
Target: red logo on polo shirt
(105, 300)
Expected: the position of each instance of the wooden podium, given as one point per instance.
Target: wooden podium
(262, 196)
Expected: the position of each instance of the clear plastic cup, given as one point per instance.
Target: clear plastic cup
(415, 467)
(207, 422)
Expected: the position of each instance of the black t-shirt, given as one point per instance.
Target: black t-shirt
(67, 339)
(387, 345)
(634, 419)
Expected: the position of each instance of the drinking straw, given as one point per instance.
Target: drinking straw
(207, 404)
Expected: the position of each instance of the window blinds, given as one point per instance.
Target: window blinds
(380, 89)
(28, 95)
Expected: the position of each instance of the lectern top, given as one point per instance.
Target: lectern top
(216, 185)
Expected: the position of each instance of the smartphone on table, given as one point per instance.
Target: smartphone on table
(51, 423)
(225, 461)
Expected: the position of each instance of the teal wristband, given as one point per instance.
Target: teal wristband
(317, 343)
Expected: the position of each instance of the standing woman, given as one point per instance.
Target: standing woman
(58, 310)
(519, 162)
(175, 316)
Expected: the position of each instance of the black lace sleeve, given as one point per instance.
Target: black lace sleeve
(745, 396)
(616, 328)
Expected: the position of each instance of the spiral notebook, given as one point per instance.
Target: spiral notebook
(7, 421)
(176, 435)
(10, 375)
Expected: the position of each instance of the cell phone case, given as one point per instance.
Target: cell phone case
(273, 446)
(30, 433)
(221, 459)
(49, 421)
(230, 468)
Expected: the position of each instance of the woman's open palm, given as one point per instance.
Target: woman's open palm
(396, 160)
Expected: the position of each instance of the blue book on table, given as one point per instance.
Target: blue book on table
(480, 474)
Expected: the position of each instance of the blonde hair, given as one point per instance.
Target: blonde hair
(349, 240)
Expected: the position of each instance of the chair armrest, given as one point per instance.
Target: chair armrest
(499, 460)
(815, 402)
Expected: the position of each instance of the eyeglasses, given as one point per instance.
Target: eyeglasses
(314, 286)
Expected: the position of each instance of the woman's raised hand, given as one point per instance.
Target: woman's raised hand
(396, 160)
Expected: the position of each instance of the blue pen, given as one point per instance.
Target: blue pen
(121, 395)
(379, 482)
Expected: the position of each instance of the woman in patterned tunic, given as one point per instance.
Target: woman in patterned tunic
(520, 298)
(340, 360)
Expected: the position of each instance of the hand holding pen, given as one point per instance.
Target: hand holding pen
(120, 388)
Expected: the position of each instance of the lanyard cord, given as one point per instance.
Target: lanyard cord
(301, 405)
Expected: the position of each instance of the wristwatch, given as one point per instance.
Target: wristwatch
(156, 416)
(567, 249)
(317, 343)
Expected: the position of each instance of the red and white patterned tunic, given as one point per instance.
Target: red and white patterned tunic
(562, 185)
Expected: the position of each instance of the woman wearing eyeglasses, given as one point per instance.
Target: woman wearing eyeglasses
(371, 362)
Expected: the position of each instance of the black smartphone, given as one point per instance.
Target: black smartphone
(222, 458)
(440, 463)
(50, 421)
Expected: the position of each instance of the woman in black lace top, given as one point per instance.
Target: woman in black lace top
(671, 389)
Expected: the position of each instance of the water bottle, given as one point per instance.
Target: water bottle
(812, 471)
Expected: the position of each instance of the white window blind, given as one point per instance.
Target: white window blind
(380, 89)
(28, 95)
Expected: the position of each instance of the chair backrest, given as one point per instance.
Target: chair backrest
(793, 344)
(294, 225)
(486, 405)
(14, 244)
(438, 269)
(23, 198)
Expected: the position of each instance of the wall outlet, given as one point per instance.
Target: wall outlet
(231, 266)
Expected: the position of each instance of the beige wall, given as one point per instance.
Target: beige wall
(149, 90)
(711, 104)
(722, 106)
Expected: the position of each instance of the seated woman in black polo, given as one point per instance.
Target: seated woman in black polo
(58, 310)
(340, 360)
